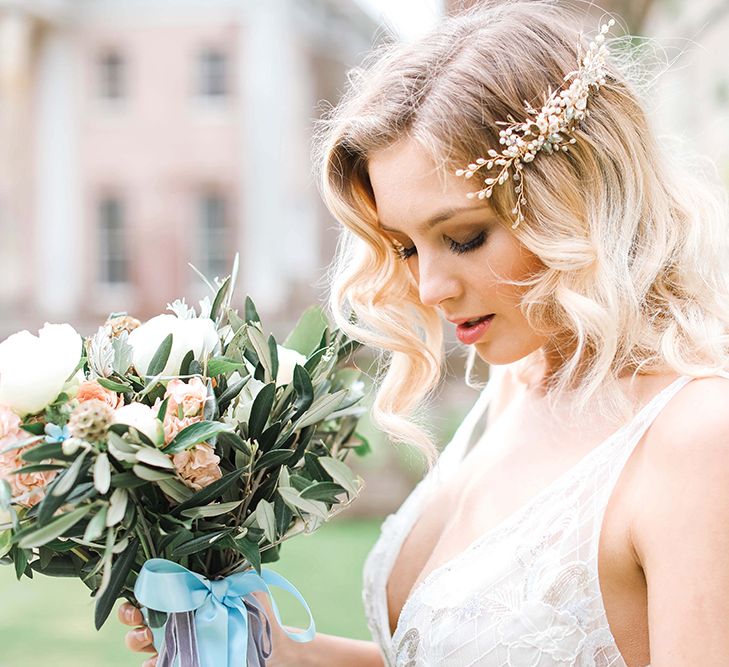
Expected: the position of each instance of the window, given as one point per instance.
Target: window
(213, 236)
(113, 257)
(212, 73)
(111, 76)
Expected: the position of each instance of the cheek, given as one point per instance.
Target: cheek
(508, 260)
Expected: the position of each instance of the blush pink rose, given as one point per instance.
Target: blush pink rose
(91, 390)
(198, 466)
(28, 483)
(190, 396)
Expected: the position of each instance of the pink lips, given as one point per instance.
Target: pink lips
(469, 335)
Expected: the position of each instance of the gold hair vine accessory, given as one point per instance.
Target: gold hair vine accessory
(548, 130)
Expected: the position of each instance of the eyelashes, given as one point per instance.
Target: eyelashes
(404, 253)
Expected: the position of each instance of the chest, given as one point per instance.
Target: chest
(518, 456)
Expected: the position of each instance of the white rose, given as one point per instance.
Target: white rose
(287, 359)
(71, 387)
(34, 369)
(197, 334)
(240, 409)
(143, 418)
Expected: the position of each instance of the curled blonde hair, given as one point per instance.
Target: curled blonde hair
(631, 231)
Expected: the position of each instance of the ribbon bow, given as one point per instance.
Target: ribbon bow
(218, 630)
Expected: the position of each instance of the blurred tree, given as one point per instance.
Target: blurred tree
(633, 12)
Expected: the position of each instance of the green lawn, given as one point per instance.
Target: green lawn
(50, 621)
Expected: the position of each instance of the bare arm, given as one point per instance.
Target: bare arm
(681, 533)
(331, 651)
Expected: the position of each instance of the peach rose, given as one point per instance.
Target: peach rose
(172, 425)
(184, 406)
(9, 426)
(28, 483)
(198, 466)
(191, 396)
(91, 390)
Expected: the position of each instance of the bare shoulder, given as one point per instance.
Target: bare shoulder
(689, 439)
(680, 528)
(699, 412)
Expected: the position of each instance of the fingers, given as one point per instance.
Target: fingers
(140, 640)
(152, 662)
(130, 615)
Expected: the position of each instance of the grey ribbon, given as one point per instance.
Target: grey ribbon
(258, 627)
(181, 642)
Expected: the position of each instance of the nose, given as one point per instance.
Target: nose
(436, 280)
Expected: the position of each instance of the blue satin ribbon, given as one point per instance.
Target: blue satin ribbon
(221, 616)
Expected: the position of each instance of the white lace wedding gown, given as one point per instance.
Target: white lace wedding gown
(525, 593)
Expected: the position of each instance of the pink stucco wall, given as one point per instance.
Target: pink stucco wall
(158, 157)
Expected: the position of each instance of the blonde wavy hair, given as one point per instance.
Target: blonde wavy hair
(631, 231)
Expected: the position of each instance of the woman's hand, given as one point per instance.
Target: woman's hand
(139, 639)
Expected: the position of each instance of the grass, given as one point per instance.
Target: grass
(50, 621)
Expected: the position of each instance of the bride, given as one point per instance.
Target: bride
(502, 174)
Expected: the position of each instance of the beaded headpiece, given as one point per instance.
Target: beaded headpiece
(549, 128)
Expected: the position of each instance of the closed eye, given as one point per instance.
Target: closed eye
(404, 253)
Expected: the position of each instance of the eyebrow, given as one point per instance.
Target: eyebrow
(442, 216)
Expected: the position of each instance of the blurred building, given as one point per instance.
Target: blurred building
(139, 135)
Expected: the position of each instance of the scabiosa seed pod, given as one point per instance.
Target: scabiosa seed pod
(122, 323)
(90, 420)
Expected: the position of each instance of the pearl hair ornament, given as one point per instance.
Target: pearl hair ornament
(549, 128)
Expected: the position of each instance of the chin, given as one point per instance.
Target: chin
(499, 355)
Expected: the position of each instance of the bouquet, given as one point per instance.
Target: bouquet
(165, 462)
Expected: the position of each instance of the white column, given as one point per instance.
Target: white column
(15, 75)
(279, 242)
(301, 253)
(58, 220)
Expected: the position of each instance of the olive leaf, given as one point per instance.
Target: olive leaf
(54, 529)
(202, 431)
(117, 507)
(308, 331)
(102, 473)
(266, 519)
(119, 571)
(340, 473)
(160, 357)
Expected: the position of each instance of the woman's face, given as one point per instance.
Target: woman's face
(455, 248)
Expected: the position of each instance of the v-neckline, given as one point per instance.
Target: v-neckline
(510, 518)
